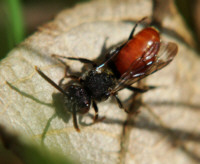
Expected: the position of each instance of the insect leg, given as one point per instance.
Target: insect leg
(67, 75)
(133, 30)
(96, 111)
(141, 90)
(82, 60)
(75, 121)
(119, 103)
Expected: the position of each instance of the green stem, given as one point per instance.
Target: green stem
(15, 22)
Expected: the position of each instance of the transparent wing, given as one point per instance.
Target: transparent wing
(112, 54)
(167, 51)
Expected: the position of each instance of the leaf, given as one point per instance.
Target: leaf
(166, 130)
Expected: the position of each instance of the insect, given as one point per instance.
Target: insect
(141, 55)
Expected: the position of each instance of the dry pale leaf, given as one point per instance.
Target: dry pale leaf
(165, 131)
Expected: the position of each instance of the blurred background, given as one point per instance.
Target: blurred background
(20, 18)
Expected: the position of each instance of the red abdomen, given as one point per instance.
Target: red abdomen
(135, 48)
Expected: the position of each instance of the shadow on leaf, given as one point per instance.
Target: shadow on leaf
(175, 136)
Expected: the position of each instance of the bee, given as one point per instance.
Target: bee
(141, 55)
